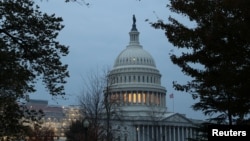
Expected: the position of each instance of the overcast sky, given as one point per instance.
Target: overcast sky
(97, 33)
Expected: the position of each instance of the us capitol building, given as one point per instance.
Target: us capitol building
(137, 97)
(140, 99)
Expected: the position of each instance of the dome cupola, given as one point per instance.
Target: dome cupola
(134, 54)
(135, 82)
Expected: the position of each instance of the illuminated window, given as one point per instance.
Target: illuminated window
(134, 97)
(144, 98)
(139, 98)
(129, 97)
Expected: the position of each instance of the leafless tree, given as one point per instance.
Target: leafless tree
(91, 101)
(97, 105)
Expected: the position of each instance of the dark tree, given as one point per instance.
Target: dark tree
(29, 52)
(75, 131)
(40, 134)
(217, 57)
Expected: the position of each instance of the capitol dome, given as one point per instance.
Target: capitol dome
(134, 55)
(135, 82)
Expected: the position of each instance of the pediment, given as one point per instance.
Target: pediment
(175, 117)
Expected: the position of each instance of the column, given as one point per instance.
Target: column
(136, 93)
(138, 133)
(143, 133)
(165, 133)
(161, 100)
(183, 133)
(120, 98)
(178, 133)
(152, 132)
(164, 99)
(187, 132)
(126, 97)
(156, 133)
(170, 133)
(174, 134)
(147, 95)
(190, 133)
(135, 133)
(161, 135)
(132, 94)
(147, 133)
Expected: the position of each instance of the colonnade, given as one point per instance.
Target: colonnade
(162, 133)
(139, 97)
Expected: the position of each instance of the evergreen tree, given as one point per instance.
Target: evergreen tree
(219, 45)
(28, 52)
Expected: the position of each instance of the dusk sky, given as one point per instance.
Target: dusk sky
(97, 33)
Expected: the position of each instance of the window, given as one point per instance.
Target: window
(139, 98)
(144, 98)
(130, 97)
(134, 97)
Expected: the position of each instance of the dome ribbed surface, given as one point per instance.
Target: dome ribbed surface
(134, 55)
